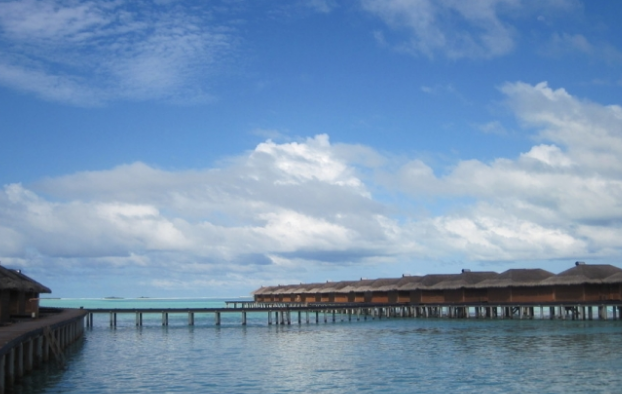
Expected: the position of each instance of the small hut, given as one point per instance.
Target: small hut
(518, 285)
(408, 289)
(583, 282)
(430, 293)
(357, 290)
(613, 285)
(462, 288)
(19, 295)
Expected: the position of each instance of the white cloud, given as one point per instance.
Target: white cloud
(86, 52)
(289, 210)
(431, 26)
(565, 43)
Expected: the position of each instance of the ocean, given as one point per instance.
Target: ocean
(401, 355)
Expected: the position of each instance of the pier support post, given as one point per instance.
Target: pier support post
(191, 318)
(551, 312)
(602, 312)
(19, 361)
(217, 318)
(28, 355)
(590, 313)
(269, 318)
(139, 319)
(2, 375)
(38, 351)
(10, 368)
(613, 310)
(113, 319)
(243, 318)
(307, 316)
(317, 317)
(164, 318)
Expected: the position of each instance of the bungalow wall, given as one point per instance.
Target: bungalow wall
(532, 294)
(403, 296)
(453, 295)
(393, 297)
(569, 293)
(341, 297)
(499, 294)
(605, 291)
(5, 306)
(351, 297)
(310, 297)
(432, 297)
(16, 302)
(475, 295)
(324, 297)
(359, 297)
(415, 296)
(379, 297)
(32, 304)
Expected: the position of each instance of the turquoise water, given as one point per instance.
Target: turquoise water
(386, 356)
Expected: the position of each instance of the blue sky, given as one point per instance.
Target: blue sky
(178, 148)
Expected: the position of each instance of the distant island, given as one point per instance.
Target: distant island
(113, 298)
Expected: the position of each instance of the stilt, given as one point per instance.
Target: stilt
(164, 318)
(217, 318)
(244, 318)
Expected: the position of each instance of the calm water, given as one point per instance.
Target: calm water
(387, 356)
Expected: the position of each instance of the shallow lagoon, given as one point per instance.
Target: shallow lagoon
(386, 356)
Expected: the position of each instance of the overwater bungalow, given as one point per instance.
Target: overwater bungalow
(583, 282)
(461, 288)
(408, 290)
(19, 295)
(518, 285)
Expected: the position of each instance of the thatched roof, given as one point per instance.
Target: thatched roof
(376, 285)
(615, 278)
(583, 273)
(356, 286)
(430, 280)
(464, 279)
(15, 280)
(386, 284)
(409, 283)
(516, 278)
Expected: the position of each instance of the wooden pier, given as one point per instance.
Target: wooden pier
(308, 313)
(28, 343)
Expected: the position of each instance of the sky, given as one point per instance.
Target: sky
(173, 148)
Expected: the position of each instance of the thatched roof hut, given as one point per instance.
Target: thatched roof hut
(462, 280)
(582, 273)
(15, 280)
(357, 286)
(516, 278)
(429, 281)
(614, 279)
(407, 283)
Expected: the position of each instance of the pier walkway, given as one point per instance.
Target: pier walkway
(286, 313)
(29, 342)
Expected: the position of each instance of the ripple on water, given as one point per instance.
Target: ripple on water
(394, 356)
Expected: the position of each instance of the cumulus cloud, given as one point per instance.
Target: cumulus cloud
(561, 198)
(89, 52)
(283, 211)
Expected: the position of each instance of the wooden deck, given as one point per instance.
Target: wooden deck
(28, 342)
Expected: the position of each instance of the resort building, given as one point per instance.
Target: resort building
(19, 295)
(583, 283)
